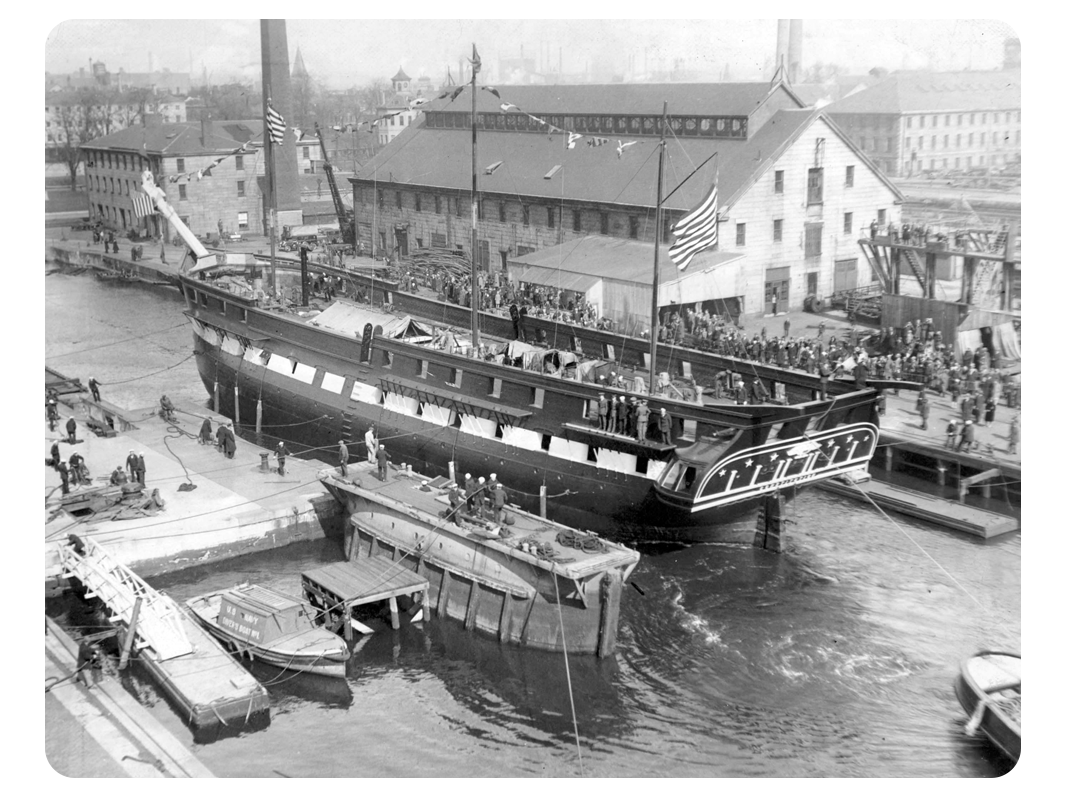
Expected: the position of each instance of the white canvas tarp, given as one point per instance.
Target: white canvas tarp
(521, 437)
(437, 415)
(350, 318)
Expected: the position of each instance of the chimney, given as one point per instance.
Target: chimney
(1013, 54)
(205, 127)
(796, 37)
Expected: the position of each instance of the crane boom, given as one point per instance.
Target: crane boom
(344, 219)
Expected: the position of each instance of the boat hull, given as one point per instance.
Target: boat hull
(994, 721)
(329, 664)
(621, 506)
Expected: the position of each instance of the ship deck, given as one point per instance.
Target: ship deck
(525, 536)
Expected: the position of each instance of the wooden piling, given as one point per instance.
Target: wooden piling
(127, 645)
(236, 406)
(259, 416)
(544, 501)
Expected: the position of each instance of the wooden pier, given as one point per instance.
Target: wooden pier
(947, 513)
(338, 589)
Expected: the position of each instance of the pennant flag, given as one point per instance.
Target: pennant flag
(476, 62)
(298, 133)
(553, 129)
(506, 107)
(275, 124)
(418, 101)
(199, 174)
(492, 91)
(174, 178)
(142, 205)
(622, 147)
(338, 128)
(455, 94)
(597, 141)
(572, 140)
(538, 120)
(698, 230)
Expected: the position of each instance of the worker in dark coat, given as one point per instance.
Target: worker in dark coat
(602, 413)
(140, 471)
(72, 428)
(342, 457)
(131, 466)
(56, 458)
(205, 432)
(950, 434)
(665, 423)
(281, 453)
(230, 445)
(118, 476)
(642, 422)
(94, 387)
(77, 469)
(924, 411)
(51, 410)
(456, 500)
(64, 475)
(383, 463)
(859, 372)
(966, 437)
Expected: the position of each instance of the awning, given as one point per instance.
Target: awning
(558, 279)
(351, 318)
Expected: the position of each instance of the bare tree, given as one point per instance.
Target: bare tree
(306, 92)
(75, 122)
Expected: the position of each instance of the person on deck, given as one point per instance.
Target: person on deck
(140, 470)
(118, 477)
(230, 445)
(205, 432)
(383, 463)
(500, 498)
(94, 387)
(78, 470)
(966, 437)
(64, 475)
(131, 465)
(950, 434)
(281, 453)
(372, 444)
(342, 457)
(642, 422)
(72, 429)
(665, 423)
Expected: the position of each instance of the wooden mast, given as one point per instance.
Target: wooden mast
(474, 201)
(654, 331)
(272, 212)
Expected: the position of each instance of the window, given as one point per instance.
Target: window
(933, 121)
(948, 120)
(815, 186)
(459, 211)
(240, 188)
(306, 152)
(907, 143)
(181, 192)
(850, 176)
(180, 167)
(633, 227)
(933, 142)
(944, 142)
(909, 122)
(437, 204)
(959, 139)
(739, 237)
(495, 385)
(577, 220)
(922, 122)
(551, 216)
(455, 377)
(957, 162)
(418, 201)
(848, 222)
(881, 215)
(972, 119)
(399, 200)
(777, 230)
(239, 162)
(996, 117)
(503, 211)
(604, 223)
(959, 119)
(981, 138)
(812, 239)
(242, 220)
(526, 215)
(779, 181)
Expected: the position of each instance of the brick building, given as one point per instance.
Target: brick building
(794, 192)
(916, 122)
(232, 193)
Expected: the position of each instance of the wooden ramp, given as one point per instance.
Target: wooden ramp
(950, 514)
(337, 589)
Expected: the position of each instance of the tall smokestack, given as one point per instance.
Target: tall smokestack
(781, 52)
(796, 36)
(1013, 54)
(275, 53)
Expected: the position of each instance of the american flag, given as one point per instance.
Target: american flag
(142, 205)
(698, 230)
(276, 124)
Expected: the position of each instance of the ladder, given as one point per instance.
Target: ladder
(159, 623)
(918, 269)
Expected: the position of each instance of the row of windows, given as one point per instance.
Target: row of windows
(107, 159)
(731, 127)
(811, 248)
(815, 182)
(979, 118)
(960, 163)
(994, 140)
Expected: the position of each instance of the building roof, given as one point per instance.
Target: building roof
(580, 263)
(441, 158)
(178, 138)
(908, 92)
(400, 76)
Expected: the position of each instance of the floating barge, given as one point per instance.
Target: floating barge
(529, 581)
(947, 513)
(202, 681)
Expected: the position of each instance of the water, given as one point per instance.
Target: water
(835, 658)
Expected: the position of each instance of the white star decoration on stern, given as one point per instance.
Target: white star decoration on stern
(748, 463)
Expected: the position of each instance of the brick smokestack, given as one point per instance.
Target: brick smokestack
(275, 52)
(796, 42)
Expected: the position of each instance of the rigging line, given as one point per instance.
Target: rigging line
(567, 664)
(150, 374)
(120, 341)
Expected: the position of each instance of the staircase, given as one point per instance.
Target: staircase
(159, 621)
(918, 269)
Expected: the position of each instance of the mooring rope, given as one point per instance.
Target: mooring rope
(567, 664)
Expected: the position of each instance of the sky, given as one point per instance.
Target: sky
(343, 52)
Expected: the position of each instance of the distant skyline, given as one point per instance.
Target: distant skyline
(344, 53)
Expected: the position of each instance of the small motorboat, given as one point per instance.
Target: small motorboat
(265, 625)
(990, 689)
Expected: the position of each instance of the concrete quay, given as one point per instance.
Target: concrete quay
(236, 507)
(103, 732)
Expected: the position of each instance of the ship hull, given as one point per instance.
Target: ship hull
(620, 506)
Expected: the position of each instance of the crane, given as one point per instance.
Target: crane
(344, 218)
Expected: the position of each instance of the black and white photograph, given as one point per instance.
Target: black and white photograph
(537, 398)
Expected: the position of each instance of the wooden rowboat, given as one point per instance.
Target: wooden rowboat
(272, 627)
(990, 689)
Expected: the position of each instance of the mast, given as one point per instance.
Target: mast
(655, 256)
(474, 203)
(271, 167)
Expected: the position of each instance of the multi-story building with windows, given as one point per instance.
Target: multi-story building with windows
(794, 192)
(231, 194)
(916, 122)
(64, 114)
